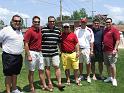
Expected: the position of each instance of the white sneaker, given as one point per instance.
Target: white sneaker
(80, 78)
(88, 79)
(114, 82)
(108, 79)
(16, 91)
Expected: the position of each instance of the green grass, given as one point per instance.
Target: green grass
(95, 87)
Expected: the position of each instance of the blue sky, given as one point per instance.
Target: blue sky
(45, 8)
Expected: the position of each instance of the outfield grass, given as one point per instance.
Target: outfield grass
(95, 87)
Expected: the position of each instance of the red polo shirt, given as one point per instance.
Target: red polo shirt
(33, 37)
(109, 38)
(68, 42)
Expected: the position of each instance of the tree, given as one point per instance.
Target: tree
(79, 14)
(120, 23)
(1, 24)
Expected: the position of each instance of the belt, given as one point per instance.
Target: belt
(35, 50)
(82, 48)
(69, 52)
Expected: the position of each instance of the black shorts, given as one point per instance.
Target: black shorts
(97, 57)
(12, 64)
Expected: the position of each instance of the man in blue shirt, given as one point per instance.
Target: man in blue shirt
(98, 54)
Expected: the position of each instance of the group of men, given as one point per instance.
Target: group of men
(41, 51)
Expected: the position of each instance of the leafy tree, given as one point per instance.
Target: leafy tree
(79, 14)
(1, 24)
(120, 23)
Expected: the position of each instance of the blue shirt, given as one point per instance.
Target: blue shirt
(98, 37)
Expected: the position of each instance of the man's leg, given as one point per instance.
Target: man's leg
(67, 73)
(14, 82)
(31, 80)
(48, 74)
(76, 77)
(80, 69)
(100, 66)
(93, 70)
(58, 74)
(8, 81)
(113, 70)
(88, 67)
(42, 79)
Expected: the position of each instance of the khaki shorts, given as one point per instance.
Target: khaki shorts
(70, 61)
(110, 58)
(54, 60)
(84, 56)
(37, 61)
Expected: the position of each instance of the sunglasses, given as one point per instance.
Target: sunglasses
(108, 22)
(36, 21)
(51, 21)
(17, 21)
(66, 26)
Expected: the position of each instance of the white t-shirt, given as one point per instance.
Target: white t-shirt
(12, 40)
(85, 36)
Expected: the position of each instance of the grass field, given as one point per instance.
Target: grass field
(95, 87)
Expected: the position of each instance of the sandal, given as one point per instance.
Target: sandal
(78, 83)
(50, 86)
(46, 89)
(68, 83)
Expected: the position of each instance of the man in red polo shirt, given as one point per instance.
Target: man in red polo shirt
(111, 39)
(33, 55)
(70, 53)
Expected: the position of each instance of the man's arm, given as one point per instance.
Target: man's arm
(77, 50)
(27, 52)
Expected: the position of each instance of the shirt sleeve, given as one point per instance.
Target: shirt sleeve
(92, 37)
(27, 36)
(116, 34)
(2, 35)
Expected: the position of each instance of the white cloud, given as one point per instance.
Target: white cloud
(117, 13)
(6, 14)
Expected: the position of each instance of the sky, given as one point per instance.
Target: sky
(44, 8)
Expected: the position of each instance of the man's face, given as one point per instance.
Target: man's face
(51, 22)
(83, 25)
(66, 29)
(36, 22)
(96, 25)
(108, 23)
(16, 22)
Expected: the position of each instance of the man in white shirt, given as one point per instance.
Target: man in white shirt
(12, 46)
(86, 38)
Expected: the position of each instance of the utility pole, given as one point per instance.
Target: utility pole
(60, 10)
(92, 10)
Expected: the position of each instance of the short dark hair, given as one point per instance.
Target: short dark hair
(15, 16)
(51, 17)
(96, 20)
(35, 17)
(109, 19)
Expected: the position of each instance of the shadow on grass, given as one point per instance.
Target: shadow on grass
(37, 85)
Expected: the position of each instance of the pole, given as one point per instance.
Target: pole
(60, 10)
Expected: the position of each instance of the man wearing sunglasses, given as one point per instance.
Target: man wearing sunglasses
(50, 41)
(12, 47)
(111, 39)
(34, 58)
(70, 53)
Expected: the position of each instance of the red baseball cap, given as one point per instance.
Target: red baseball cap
(83, 20)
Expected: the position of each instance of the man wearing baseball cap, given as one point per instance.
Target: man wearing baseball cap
(86, 38)
(70, 53)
